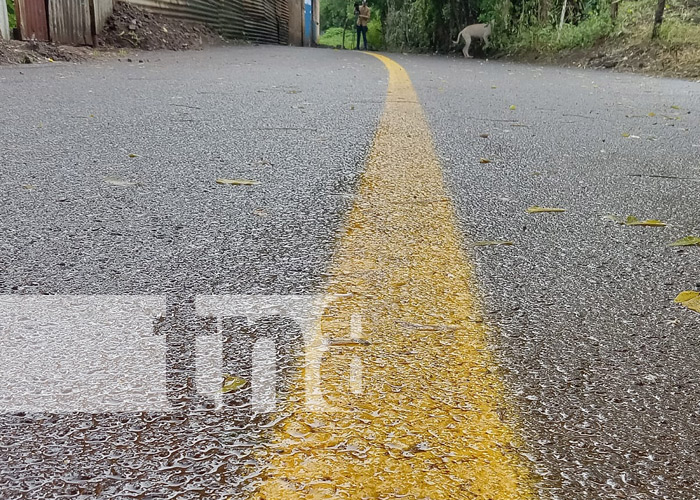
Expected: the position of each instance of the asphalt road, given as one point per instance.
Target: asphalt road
(109, 200)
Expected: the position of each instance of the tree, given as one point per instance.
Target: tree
(658, 18)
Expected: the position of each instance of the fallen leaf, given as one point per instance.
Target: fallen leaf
(484, 160)
(484, 136)
(115, 181)
(686, 242)
(237, 182)
(614, 218)
(28, 187)
(536, 210)
(493, 86)
(260, 212)
(132, 155)
(689, 299)
(51, 60)
(352, 108)
(652, 114)
(633, 221)
(488, 243)
(232, 383)
(625, 134)
(675, 107)
(512, 106)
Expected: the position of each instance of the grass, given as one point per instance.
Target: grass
(333, 37)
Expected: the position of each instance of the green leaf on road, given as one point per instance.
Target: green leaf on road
(237, 182)
(686, 242)
(536, 210)
(132, 155)
(512, 107)
(232, 383)
(625, 134)
(633, 221)
(488, 243)
(689, 299)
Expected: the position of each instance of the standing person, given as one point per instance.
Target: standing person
(362, 22)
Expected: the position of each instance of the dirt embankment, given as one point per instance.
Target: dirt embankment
(133, 28)
(648, 58)
(129, 27)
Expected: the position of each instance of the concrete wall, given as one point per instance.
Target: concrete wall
(296, 22)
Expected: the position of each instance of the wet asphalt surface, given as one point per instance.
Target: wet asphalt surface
(602, 366)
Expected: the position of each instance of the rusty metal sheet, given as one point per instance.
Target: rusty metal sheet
(32, 20)
(70, 22)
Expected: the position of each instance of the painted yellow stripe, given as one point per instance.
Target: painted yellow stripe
(419, 401)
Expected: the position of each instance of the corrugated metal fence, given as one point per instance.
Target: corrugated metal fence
(32, 19)
(66, 21)
(4, 22)
(264, 21)
(78, 21)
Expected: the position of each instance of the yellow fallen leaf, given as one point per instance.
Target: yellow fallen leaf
(132, 155)
(51, 60)
(686, 242)
(625, 134)
(652, 114)
(237, 182)
(512, 106)
(488, 243)
(493, 86)
(689, 299)
(633, 221)
(232, 383)
(536, 210)
(484, 160)
(675, 107)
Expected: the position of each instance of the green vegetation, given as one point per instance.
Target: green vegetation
(11, 12)
(333, 37)
(525, 26)
(338, 15)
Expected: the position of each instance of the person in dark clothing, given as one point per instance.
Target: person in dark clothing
(362, 22)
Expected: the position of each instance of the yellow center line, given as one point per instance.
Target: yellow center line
(400, 352)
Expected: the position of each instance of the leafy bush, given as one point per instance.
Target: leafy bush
(548, 38)
(11, 12)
